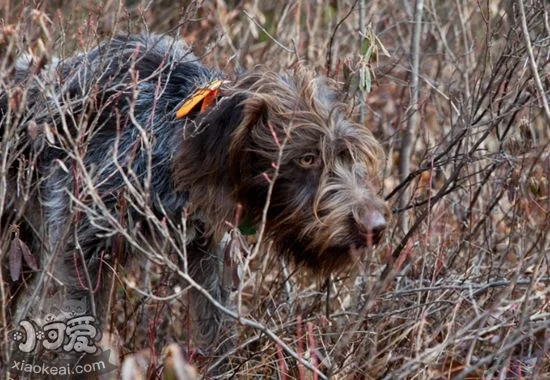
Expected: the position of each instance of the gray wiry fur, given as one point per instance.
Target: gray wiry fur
(82, 97)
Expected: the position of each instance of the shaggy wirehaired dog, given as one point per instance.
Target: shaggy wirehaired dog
(136, 136)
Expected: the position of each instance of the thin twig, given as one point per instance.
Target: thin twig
(532, 61)
(267, 33)
(331, 41)
(412, 124)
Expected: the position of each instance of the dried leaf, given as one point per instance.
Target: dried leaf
(49, 133)
(19, 252)
(33, 129)
(15, 259)
(511, 193)
(15, 99)
(368, 54)
(365, 46)
(27, 255)
(134, 366)
(365, 83)
(62, 165)
(382, 47)
(175, 366)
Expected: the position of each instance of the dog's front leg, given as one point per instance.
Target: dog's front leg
(206, 267)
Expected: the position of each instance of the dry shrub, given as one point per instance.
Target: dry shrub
(463, 293)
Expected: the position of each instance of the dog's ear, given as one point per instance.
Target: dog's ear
(241, 156)
(254, 112)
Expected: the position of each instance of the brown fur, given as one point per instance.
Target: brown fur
(316, 214)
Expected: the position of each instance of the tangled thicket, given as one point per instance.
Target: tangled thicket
(463, 291)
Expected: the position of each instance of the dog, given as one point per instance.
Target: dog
(136, 135)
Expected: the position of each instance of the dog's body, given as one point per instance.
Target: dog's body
(110, 155)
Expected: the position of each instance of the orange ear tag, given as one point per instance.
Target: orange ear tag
(206, 95)
(209, 99)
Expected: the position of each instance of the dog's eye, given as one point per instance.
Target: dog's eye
(307, 160)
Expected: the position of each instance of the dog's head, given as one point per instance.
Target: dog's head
(297, 148)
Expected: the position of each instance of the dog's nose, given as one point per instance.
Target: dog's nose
(372, 225)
